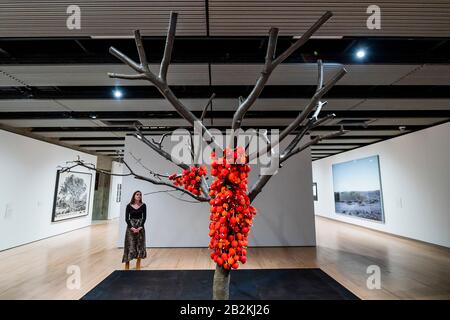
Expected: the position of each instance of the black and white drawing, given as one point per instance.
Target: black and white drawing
(72, 195)
(357, 189)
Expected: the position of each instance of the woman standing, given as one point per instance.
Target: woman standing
(135, 246)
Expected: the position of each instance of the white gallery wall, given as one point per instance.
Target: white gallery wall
(114, 197)
(27, 186)
(285, 207)
(415, 180)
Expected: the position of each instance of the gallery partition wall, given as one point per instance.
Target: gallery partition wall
(285, 217)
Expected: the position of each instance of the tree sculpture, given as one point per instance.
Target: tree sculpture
(228, 195)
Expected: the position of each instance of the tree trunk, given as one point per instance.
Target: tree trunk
(221, 285)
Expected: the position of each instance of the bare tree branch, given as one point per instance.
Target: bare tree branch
(138, 76)
(309, 125)
(319, 74)
(195, 154)
(205, 109)
(271, 46)
(163, 183)
(302, 116)
(139, 177)
(305, 37)
(260, 83)
(158, 148)
(170, 38)
(141, 51)
(205, 187)
(258, 186)
(263, 179)
(297, 138)
(159, 191)
(160, 81)
(159, 144)
(90, 166)
(313, 141)
(119, 55)
(270, 64)
(66, 169)
(322, 91)
(192, 148)
(254, 133)
(139, 135)
(312, 123)
(321, 121)
(150, 171)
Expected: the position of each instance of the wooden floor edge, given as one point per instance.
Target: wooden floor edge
(438, 246)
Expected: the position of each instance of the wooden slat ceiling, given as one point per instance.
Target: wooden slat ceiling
(21, 18)
(96, 75)
(60, 114)
(226, 74)
(399, 18)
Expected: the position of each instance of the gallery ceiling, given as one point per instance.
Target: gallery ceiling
(223, 17)
(53, 81)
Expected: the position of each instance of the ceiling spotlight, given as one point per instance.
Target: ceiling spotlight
(93, 116)
(117, 94)
(360, 53)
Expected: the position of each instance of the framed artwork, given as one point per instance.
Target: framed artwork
(72, 194)
(315, 191)
(357, 189)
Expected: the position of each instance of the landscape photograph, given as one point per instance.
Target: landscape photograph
(357, 188)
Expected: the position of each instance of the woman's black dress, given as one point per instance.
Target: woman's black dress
(135, 246)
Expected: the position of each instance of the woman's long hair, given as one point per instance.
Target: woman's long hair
(132, 197)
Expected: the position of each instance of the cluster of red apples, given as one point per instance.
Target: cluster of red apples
(231, 213)
(190, 179)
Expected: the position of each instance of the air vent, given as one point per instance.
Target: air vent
(121, 123)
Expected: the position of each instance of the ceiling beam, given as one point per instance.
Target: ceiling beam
(169, 128)
(231, 92)
(55, 141)
(264, 114)
(237, 49)
(92, 138)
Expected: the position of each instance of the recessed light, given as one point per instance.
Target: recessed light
(117, 94)
(360, 53)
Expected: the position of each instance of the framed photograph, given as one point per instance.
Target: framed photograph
(357, 189)
(315, 191)
(72, 194)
